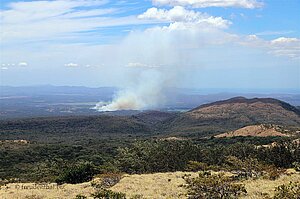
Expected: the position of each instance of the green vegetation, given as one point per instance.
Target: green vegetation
(157, 156)
(296, 166)
(77, 174)
(44, 162)
(162, 156)
(101, 188)
(104, 194)
(289, 191)
(65, 163)
(79, 196)
(209, 186)
(74, 149)
(108, 194)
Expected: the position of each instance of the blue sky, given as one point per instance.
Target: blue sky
(176, 43)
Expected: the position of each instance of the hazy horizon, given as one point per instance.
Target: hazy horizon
(200, 89)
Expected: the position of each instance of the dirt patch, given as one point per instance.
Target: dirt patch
(256, 130)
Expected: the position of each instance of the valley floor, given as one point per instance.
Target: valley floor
(157, 185)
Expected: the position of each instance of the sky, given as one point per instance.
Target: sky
(160, 43)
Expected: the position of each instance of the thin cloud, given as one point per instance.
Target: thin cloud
(58, 20)
(71, 65)
(250, 4)
(13, 65)
(75, 65)
(23, 64)
(141, 65)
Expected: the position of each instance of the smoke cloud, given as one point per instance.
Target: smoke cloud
(157, 56)
(146, 93)
(154, 59)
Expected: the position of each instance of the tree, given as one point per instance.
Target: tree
(82, 172)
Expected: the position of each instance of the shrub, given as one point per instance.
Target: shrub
(289, 191)
(273, 173)
(244, 168)
(33, 197)
(77, 174)
(108, 194)
(109, 179)
(296, 166)
(196, 166)
(138, 196)
(79, 196)
(208, 186)
(106, 180)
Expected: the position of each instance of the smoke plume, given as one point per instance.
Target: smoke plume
(174, 48)
(145, 93)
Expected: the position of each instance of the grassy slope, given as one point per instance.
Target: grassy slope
(158, 185)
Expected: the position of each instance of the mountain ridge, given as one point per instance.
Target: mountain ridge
(241, 99)
(232, 114)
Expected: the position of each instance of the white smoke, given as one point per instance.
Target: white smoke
(158, 56)
(145, 93)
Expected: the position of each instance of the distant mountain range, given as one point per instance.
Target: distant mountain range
(37, 101)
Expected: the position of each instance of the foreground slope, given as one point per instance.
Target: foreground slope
(147, 186)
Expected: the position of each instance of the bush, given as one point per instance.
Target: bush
(208, 186)
(273, 173)
(289, 191)
(244, 168)
(109, 179)
(33, 197)
(79, 196)
(77, 174)
(108, 194)
(106, 180)
(296, 165)
(196, 166)
(138, 196)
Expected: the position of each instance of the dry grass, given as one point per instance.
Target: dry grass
(30, 191)
(256, 188)
(255, 130)
(158, 185)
